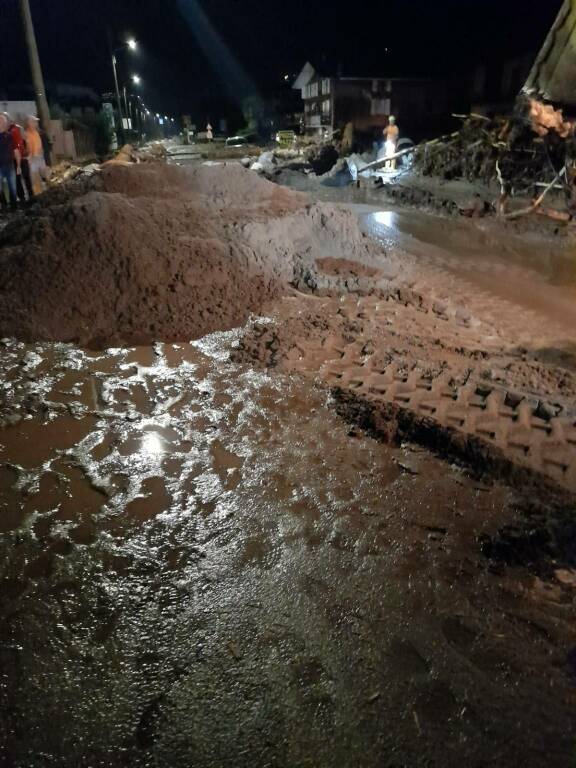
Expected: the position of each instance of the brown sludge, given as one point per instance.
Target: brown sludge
(157, 252)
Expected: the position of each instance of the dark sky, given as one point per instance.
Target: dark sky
(200, 56)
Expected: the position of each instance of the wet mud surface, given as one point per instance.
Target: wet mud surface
(534, 271)
(342, 535)
(203, 564)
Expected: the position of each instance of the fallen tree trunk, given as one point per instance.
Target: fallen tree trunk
(383, 160)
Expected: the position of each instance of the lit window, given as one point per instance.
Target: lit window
(326, 107)
(325, 86)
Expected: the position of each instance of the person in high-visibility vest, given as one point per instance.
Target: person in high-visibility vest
(391, 134)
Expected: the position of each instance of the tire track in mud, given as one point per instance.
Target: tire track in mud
(410, 366)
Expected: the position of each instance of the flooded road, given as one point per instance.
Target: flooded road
(532, 271)
(202, 564)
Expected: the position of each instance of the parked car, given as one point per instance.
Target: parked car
(236, 141)
(240, 141)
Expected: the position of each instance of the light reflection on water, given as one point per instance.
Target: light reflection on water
(152, 444)
(385, 218)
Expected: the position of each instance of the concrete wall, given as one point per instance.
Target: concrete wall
(71, 145)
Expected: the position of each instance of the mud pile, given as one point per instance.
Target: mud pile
(153, 252)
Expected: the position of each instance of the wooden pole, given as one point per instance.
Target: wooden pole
(116, 86)
(37, 76)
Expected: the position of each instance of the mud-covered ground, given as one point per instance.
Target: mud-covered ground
(341, 535)
(204, 565)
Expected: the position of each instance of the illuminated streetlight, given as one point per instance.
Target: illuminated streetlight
(136, 79)
(132, 45)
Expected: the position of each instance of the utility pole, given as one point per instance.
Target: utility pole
(37, 77)
(116, 85)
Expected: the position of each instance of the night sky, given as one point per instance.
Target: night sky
(201, 56)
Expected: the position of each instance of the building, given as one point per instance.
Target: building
(330, 102)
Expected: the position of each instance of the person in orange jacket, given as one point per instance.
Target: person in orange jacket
(391, 134)
(35, 154)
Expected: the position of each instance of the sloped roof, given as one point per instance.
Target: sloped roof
(308, 72)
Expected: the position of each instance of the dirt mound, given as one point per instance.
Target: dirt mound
(226, 185)
(158, 252)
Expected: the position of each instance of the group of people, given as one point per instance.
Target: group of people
(23, 167)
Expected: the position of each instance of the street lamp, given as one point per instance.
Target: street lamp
(136, 79)
(132, 45)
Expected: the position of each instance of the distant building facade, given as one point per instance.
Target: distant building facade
(331, 102)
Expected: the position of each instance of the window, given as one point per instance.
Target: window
(325, 86)
(326, 107)
(314, 90)
(380, 107)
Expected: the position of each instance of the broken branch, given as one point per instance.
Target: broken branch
(538, 202)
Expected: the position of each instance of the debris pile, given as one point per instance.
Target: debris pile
(153, 251)
(127, 155)
(532, 148)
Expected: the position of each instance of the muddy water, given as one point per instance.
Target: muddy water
(484, 240)
(534, 272)
(203, 565)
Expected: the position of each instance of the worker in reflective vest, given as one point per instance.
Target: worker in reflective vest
(391, 134)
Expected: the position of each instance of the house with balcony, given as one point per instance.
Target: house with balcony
(330, 102)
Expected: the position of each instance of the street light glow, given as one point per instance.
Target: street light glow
(136, 79)
(132, 44)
